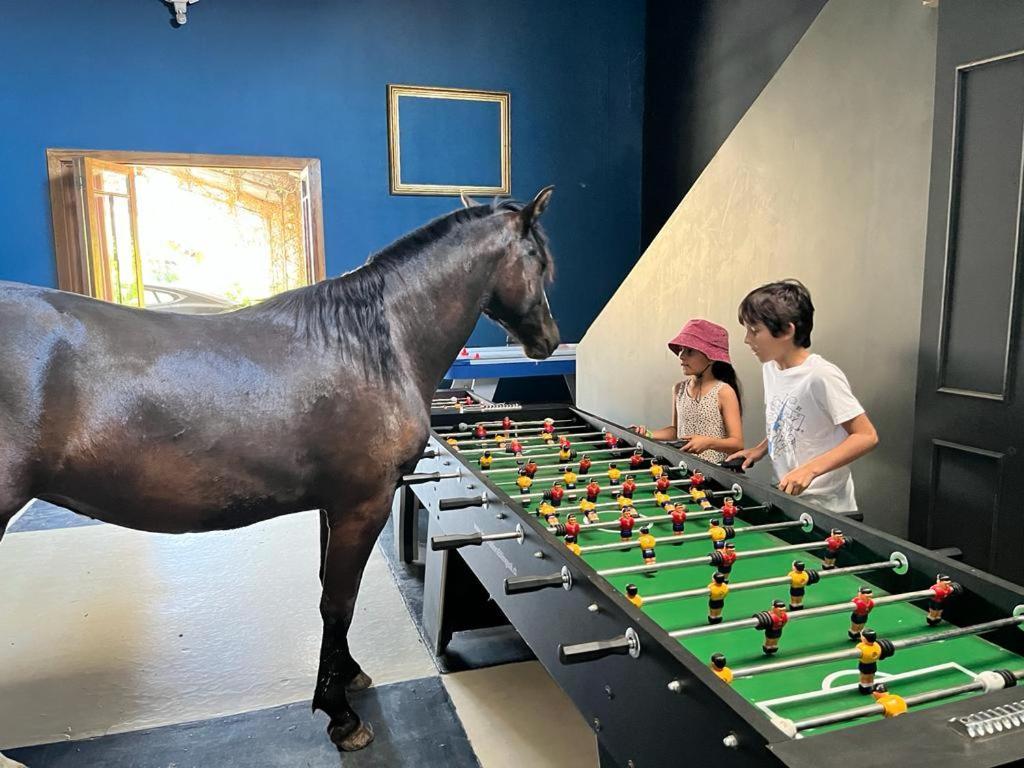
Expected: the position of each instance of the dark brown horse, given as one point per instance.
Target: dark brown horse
(315, 399)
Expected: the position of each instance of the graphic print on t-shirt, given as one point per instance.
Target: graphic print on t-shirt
(786, 422)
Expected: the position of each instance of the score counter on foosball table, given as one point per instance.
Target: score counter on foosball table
(688, 610)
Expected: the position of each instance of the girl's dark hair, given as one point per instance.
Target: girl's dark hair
(776, 305)
(726, 373)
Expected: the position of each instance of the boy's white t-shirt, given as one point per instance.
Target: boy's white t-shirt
(804, 408)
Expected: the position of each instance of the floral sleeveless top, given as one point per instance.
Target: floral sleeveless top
(701, 417)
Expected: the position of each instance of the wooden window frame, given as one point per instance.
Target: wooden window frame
(67, 204)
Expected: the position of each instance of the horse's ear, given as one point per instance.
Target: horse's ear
(467, 201)
(532, 211)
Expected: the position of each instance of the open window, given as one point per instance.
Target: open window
(185, 233)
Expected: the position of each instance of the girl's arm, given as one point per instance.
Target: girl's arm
(861, 438)
(664, 433)
(729, 408)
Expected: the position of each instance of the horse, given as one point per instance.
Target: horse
(317, 398)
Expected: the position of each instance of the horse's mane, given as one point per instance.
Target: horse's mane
(349, 311)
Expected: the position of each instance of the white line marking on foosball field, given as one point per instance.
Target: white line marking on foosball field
(827, 690)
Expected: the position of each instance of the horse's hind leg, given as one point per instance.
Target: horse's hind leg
(348, 545)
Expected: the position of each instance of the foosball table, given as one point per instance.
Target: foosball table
(690, 612)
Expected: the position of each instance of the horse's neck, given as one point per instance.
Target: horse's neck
(435, 311)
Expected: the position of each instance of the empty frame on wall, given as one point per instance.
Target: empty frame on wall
(445, 141)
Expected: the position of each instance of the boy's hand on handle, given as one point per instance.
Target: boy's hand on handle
(794, 483)
(750, 456)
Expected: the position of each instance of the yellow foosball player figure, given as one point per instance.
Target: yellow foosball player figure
(500, 440)
(719, 668)
(453, 442)
(698, 496)
(647, 543)
(614, 473)
(623, 501)
(656, 469)
(548, 512)
(524, 481)
(568, 477)
(486, 460)
(634, 595)
(717, 590)
(565, 452)
(798, 578)
(661, 498)
(870, 652)
(717, 533)
(892, 705)
(589, 511)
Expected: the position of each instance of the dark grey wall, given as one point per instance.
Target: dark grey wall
(707, 60)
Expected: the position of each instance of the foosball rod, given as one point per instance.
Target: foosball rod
(710, 559)
(575, 493)
(804, 522)
(515, 425)
(532, 436)
(506, 456)
(987, 682)
(853, 653)
(612, 526)
(536, 451)
(897, 561)
(806, 613)
(557, 466)
(606, 505)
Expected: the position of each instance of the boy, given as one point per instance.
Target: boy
(815, 427)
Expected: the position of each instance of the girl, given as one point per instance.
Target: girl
(706, 405)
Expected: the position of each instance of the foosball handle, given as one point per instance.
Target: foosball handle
(461, 502)
(428, 477)
(515, 585)
(456, 540)
(629, 643)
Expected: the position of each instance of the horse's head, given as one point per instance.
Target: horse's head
(517, 301)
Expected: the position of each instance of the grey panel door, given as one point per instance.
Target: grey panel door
(967, 485)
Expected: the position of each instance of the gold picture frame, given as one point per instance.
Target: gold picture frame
(398, 187)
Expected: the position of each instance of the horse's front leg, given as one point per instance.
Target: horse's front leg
(351, 534)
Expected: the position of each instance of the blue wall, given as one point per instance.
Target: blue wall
(307, 78)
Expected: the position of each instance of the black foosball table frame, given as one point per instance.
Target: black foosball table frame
(650, 701)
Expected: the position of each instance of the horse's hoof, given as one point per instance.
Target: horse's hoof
(356, 740)
(360, 682)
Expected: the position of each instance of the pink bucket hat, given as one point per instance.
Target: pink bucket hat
(704, 336)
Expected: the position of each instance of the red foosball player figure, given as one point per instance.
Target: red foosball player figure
(633, 594)
(724, 558)
(636, 459)
(656, 469)
(729, 511)
(514, 446)
(862, 605)
(834, 543)
(678, 514)
(870, 652)
(941, 590)
(555, 494)
(610, 440)
(696, 480)
(486, 459)
(565, 451)
(626, 523)
(531, 468)
(647, 543)
(506, 423)
(719, 668)
(479, 432)
(593, 489)
(663, 483)
(589, 510)
(629, 486)
(568, 477)
(717, 533)
(572, 526)
(614, 473)
(585, 463)
(892, 705)
(524, 481)
(717, 590)
(798, 578)
(549, 425)
(772, 623)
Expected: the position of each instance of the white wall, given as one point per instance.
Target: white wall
(824, 179)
